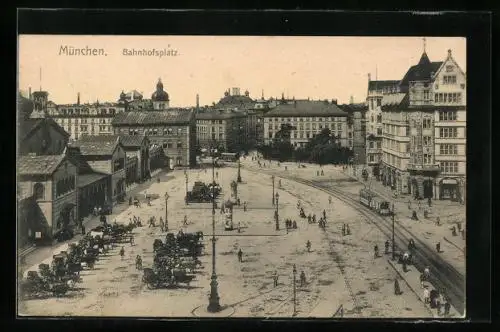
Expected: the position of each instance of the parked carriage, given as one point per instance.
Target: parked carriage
(202, 193)
(165, 277)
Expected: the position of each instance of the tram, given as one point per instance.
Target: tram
(370, 199)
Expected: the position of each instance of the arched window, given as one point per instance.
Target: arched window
(39, 191)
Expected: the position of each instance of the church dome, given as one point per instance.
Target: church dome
(160, 94)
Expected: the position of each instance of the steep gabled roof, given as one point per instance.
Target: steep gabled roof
(168, 117)
(39, 165)
(420, 72)
(27, 126)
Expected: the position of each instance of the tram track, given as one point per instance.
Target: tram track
(443, 275)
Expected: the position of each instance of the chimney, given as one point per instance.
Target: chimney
(295, 103)
(449, 53)
(334, 101)
(78, 99)
(29, 96)
(351, 100)
(369, 77)
(197, 101)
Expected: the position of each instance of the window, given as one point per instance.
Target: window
(373, 119)
(379, 131)
(372, 159)
(426, 95)
(379, 118)
(371, 145)
(449, 167)
(39, 191)
(426, 124)
(448, 116)
(449, 79)
(379, 145)
(339, 126)
(448, 132)
(436, 95)
(379, 102)
(407, 147)
(427, 140)
(448, 149)
(427, 159)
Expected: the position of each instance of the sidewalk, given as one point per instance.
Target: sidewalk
(33, 255)
(412, 280)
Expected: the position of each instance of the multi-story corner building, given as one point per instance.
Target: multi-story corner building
(85, 119)
(224, 129)
(173, 129)
(376, 92)
(424, 131)
(356, 130)
(47, 195)
(307, 118)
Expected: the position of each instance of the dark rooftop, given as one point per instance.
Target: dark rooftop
(306, 109)
(38, 165)
(131, 141)
(219, 115)
(174, 116)
(84, 180)
(381, 85)
(420, 72)
(93, 145)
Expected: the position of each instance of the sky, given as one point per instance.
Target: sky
(300, 67)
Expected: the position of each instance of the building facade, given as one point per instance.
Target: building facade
(51, 182)
(224, 129)
(173, 129)
(137, 146)
(424, 126)
(356, 134)
(105, 155)
(306, 118)
(85, 119)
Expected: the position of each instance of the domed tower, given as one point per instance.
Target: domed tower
(160, 97)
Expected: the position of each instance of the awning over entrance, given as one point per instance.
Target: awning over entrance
(450, 181)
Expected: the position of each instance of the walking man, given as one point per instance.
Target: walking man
(329, 199)
(348, 229)
(409, 205)
(308, 246)
(245, 206)
(343, 229)
(422, 279)
(429, 201)
(185, 220)
(324, 214)
(386, 247)
(138, 262)
(83, 229)
(131, 240)
(240, 256)
(302, 279)
(438, 247)
(438, 221)
(397, 290)
(239, 227)
(375, 251)
(275, 278)
(122, 252)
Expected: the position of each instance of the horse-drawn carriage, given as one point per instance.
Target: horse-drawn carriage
(56, 280)
(202, 193)
(166, 277)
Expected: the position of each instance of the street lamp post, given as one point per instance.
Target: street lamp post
(294, 291)
(213, 302)
(166, 211)
(393, 243)
(186, 175)
(272, 177)
(239, 173)
(277, 212)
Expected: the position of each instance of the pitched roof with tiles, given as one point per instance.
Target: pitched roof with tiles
(421, 71)
(382, 85)
(38, 165)
(174, 116)
(102, 145)
(26, 126)
(131, 141)
(306, 109)
(219, 115)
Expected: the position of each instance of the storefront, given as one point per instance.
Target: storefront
(449, 188)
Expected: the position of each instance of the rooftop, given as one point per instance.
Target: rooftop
(421, 71)
(38, 165)
(132, 141)
(219, 115)
(382, 85)
(84, 180)
(306, 109)
(93, 145)
(173, 116)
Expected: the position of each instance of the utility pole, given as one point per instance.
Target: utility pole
(294, 291)
(393, 243)
(272, 177)
(166, 211)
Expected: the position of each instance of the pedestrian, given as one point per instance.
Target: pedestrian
(419, 205)
(294, 224)
(131, 240)
(459, 226)
(397, 290)
(375, 251)
(426, 295)
(286, 168)
(322, 173)
(302, 279)
(453, 231)
(386, 247)
(343, 229)
(348, 229)
(240, 256)
(308, 246)
(447, 307)
(438, 247)
(324, 214)
(427, 273)
(404, 265)
(329, 199)
(275, 278)
(462, 232)
(217, 175)
(422, 279)
(239, 227)
(279, 183)
(438, 221)
(185, 220)
(138, 262)
(245, 206)
(122, 252)
(83, 229)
